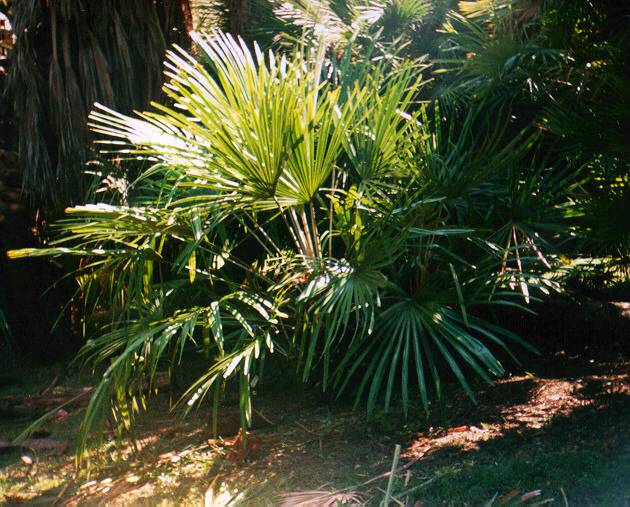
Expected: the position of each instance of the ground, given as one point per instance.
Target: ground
(565, 434)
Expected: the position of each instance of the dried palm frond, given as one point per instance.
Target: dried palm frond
(321, 498)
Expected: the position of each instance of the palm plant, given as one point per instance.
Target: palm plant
(385, 28)
(322, 220)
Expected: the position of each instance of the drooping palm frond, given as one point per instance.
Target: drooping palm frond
(64, 62)
(405, 351)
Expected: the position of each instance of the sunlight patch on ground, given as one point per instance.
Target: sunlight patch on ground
(309, 448)
(549, 398)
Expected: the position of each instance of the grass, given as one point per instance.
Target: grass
(585, 456)
(564, 434)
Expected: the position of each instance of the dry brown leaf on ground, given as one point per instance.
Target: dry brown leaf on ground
(457, 429)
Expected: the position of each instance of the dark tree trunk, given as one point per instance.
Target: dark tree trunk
(238, 16)
(69, 55)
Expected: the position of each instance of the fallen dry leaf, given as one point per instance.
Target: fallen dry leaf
(318, 498)
(457, 429)
(61, 414)
(530, 494)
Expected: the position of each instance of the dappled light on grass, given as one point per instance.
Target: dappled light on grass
(526, 434)
(546, 399)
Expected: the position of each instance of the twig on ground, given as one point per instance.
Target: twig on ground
(391, 497)
(61, 493)
(390, 482)
(50, 386)
(297, 423)
(264, 418)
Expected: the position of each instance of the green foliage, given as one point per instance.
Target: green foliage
(282, 215)
(310, 201)
(558, 66)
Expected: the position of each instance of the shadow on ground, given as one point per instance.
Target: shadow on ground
(565, 434)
